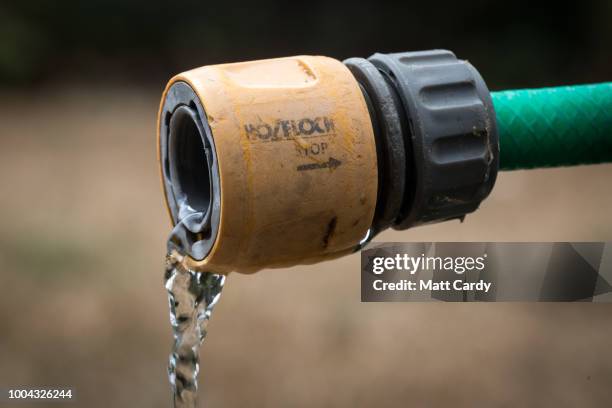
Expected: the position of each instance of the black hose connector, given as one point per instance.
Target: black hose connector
(437, 141)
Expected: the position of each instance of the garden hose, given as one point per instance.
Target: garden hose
(550, 127)
(295, 160)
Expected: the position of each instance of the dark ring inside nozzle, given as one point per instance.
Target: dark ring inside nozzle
(189, 164)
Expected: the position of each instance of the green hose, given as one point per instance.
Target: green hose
(550, 127)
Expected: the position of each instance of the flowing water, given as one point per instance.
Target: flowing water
(191, 296)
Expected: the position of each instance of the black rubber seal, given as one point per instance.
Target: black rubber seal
(386, 113)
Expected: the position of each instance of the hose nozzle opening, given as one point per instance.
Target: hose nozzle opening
(190, 173)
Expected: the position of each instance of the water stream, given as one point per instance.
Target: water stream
(192, 297)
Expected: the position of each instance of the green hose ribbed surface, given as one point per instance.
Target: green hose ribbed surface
(550, 127)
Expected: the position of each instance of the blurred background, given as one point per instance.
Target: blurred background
(84, 226)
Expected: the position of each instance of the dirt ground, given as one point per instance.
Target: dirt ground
(83, 305)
